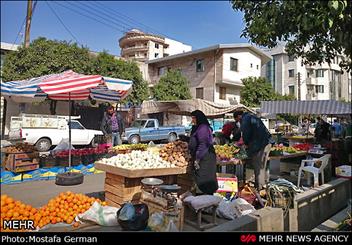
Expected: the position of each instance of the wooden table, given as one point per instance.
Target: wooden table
(124, 185)
(276, 160)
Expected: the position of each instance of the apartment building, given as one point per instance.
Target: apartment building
(214, 72)
(290, 75)
(141, 46)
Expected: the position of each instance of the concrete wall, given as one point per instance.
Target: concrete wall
(264, 220)
(176, 47)
(187, 65)
(245, 58)
(314, 206)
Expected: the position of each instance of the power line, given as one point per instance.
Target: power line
(89, 17)
(127, 17)
(88, 9)
(22, 25)
(62, 22)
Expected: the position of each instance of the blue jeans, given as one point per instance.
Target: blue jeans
(116, 139)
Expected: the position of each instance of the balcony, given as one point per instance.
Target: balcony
(129, 50)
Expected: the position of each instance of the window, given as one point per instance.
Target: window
(291, 90)
(76, 125)
(150, 124)
(222, 94)
(257, 67)
(233, 64)
(291, 73)
(199, 93)
(156, 55)
(308, 74)
(319, 73)
(200, 65)
(319, 89)
(157, 45)
(251, 65)
(290, 58)
(161, 71)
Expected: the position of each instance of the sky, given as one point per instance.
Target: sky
(99, 25)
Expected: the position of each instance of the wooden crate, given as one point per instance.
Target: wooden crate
(120, 189)
(21, 162)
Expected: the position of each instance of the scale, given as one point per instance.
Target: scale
(157, 189)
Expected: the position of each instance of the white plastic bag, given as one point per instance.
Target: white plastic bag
(102, 215)
(62, 146)
(160, 222)
(226, 209)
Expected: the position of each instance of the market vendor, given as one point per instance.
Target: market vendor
(203, 153)
(112, 126)
(255, 137)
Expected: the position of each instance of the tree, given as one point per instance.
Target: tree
(172, 86)
(256, 90)
(107, 65)
(313, 30)
(45, 57)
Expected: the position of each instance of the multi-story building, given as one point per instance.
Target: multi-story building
(290, 75)
(214, 72)
(141, 46)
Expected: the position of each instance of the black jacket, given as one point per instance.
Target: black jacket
(106, 124)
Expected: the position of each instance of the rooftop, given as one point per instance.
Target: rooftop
(265, 58)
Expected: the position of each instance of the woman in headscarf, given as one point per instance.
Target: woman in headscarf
(203, 153)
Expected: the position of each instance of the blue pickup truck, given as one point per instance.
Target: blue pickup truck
(144, 130)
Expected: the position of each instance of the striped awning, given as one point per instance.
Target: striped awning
(68, 85)
(307, 107)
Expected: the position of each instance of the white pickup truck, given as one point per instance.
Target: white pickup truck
(45, 131)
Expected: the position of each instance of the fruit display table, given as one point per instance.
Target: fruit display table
(123, 185)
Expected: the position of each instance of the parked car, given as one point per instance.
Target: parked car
(45, 131)
(144, 130)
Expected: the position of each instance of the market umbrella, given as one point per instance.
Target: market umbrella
(69, 86)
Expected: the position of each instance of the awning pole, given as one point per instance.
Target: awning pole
(69, 129)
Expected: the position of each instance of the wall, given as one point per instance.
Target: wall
(152, 50)
(245, 58)
(187, 65)
(232, 94)
(176, 47)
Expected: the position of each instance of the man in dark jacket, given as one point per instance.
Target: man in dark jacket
(256, 138)
(112, 126)
(322, 132)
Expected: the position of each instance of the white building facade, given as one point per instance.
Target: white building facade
(141, 46)
(214, 72)
(289, 75)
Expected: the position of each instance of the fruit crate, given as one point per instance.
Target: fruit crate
(22, 161)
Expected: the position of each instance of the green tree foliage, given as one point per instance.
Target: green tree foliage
(314, 30)
(107, 65)
(256, 90)
(45, 57)
(172, 86)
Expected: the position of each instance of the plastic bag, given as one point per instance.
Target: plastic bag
(139, 220)
(127, 212)
(63, 145)
(102, 215)
(162, 223)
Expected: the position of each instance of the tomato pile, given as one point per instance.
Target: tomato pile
(303, 146)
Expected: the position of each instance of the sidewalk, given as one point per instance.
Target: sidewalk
(38, 193)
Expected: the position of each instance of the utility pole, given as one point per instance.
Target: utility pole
(28, 23)
(299, 85)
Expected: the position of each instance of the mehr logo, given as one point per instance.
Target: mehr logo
(18, 224)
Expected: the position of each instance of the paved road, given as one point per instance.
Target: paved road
(38, 193)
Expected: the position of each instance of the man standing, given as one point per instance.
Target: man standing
(322, 132)
(112, 126)
(337, 129)
(256, 138)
